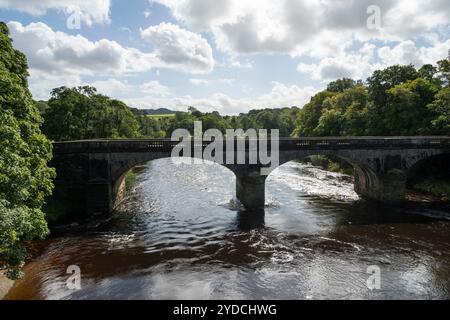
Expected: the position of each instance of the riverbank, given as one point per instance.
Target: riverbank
(5, 285)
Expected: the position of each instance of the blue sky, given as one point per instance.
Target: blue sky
(229, 55)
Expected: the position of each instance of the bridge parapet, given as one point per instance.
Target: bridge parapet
(335, 143)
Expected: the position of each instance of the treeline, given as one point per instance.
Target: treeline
(282, 119)
(83, 113)
(398, 100)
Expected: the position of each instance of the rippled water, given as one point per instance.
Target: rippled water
(178, 235)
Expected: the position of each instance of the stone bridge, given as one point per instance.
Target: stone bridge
(90, 174)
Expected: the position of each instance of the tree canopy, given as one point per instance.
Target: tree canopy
(82, 113)
(25, 178)
(398, 100)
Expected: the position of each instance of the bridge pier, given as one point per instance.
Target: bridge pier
(250, 190)
(388, 187)
(99, 198)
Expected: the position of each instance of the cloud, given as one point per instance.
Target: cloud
(54, 55)
(122, 89)
(407, 52)
(56, 52)
(41, 83)
(176, 46)
(359, 64)
(300, 26)
(199, 82)
(155, 89)
(90, 11)
(112, 87)
(356, 65)
(279, 96)
(228, 81)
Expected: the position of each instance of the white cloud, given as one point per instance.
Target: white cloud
(122, 89)
(112, 87)
(56, 52)
(147, 13)
(233, 61)
(155, 89)
(54, 55)
(199, 82)
(356, 65)
(90, 11)
(228, 81)
(361, 63)
(279, 96)
(176, 46)
(407, 52)
(305, 26)
(41, 83)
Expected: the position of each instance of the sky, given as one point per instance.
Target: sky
(226, 55)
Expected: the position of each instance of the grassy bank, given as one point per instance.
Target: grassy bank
(332, 164)
(438, 188)
(130, 178)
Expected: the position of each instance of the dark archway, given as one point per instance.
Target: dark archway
(430, 176)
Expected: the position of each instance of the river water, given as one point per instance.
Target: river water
(179, 235)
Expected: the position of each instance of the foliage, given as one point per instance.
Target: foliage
(82, 113)
(25, 178)
(438, 188)
(398, 100)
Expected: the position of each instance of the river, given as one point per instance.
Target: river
(179, 235)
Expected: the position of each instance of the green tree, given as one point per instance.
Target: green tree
(428, 72)
(309, 115)
(440, 109)
(407, 112)
(341, 85)
(383, 80)
(69, 112)
(330, 123)
(25, 178)
(81, 113)
(444, 71)
(378, 85)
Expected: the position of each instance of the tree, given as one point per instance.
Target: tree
(440, 109)
(406, 112)
(330, 123)
(69, 113)
(25, 178)
(81, 113)
(341, 85)
(428, 72)
(397, 100)
(444, 71)
(309, 115)
(383, 80)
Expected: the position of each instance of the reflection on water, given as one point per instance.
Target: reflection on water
(179, 235)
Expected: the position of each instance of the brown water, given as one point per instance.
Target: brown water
(178, 236)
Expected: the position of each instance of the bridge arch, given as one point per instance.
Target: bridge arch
(121, 169)
(435, 167)
(365, 178)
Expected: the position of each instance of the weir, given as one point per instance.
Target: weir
(90, 173)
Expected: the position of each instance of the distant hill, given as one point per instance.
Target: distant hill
(152, 112)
